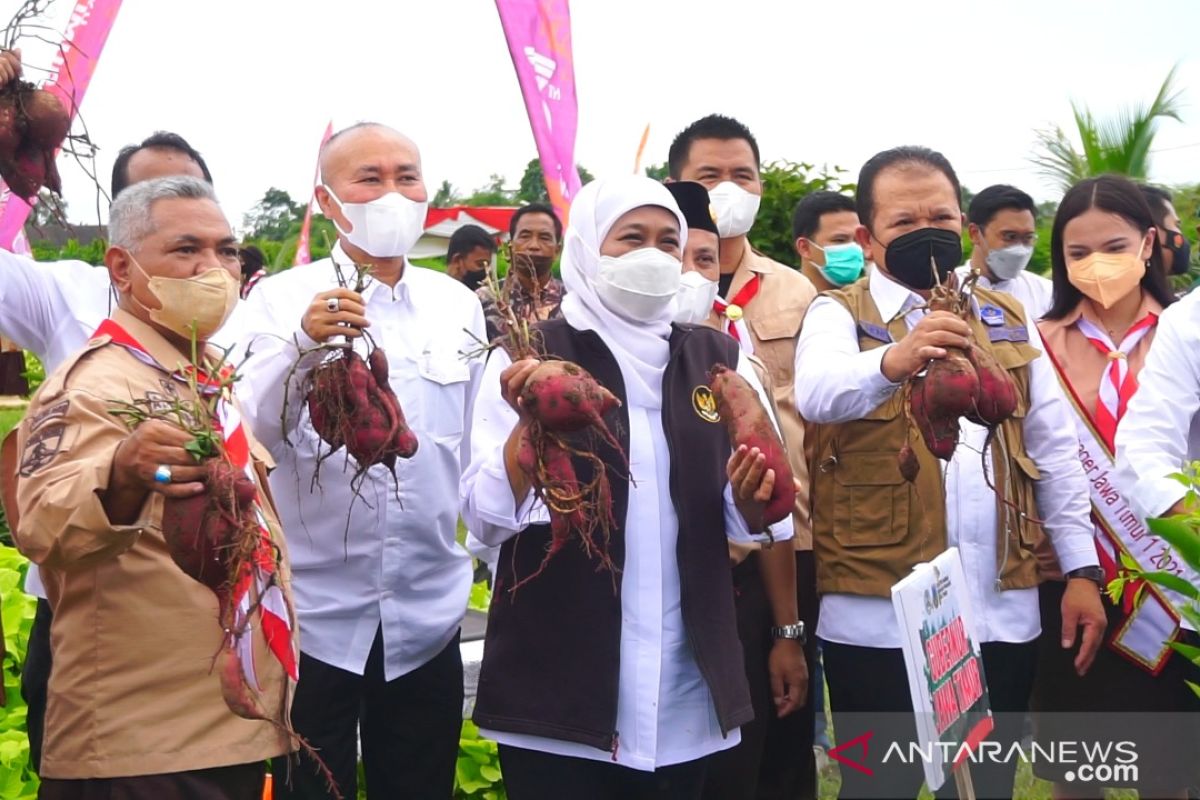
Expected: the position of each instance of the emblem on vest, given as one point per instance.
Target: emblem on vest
(991, 315)
(705, 404)
(1014, 333)
(877, 332)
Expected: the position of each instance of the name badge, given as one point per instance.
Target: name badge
(991, 315)
(1013, 333)
(877, 332)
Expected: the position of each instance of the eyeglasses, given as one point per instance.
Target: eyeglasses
(1011, 237)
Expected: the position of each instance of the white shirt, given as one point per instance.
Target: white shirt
(836, 382)
(1035, 292)
(51, 310)
(665, 711)
(1160, 431)
(387, 556)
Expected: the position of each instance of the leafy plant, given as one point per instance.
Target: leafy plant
(784, 183)
(1119, 145)
(477, 773)
(1182, 532)
(17, 779)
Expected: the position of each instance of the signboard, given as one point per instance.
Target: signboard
(944, 663)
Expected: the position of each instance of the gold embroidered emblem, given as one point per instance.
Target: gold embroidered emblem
(705, 404)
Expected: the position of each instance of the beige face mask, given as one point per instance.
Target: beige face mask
(1107, 277)
(199, 304)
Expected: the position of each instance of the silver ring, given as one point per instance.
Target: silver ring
(333, 305)
(162, 474)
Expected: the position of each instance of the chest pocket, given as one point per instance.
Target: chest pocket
(777, 331)
(444, 381)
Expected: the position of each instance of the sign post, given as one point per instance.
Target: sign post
(945, 668)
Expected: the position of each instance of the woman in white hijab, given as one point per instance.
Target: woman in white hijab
(618, 683)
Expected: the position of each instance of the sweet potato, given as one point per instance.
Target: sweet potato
(203, 532)
(748, 423)
(47, 122)
(950, 386)
(564, 398)
(997, 397)
(238, 695)
(939, 432)
(907, 461)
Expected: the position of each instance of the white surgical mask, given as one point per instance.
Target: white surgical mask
(640, 284)
(386, 227)
(695, 298)
(735, 209)
(1008, 262)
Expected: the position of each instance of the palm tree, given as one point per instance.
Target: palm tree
(1119, 145)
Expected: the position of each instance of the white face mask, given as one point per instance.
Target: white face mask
(640, 284)
(1008, 262)
(386, 227)
(695, 298)
(735, 209)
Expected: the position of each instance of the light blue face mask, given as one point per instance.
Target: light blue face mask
(843, 262)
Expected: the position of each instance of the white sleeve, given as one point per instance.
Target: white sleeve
(34, 299)
(835, 380)
(267, 355)
(1051, 442)
(486, 499)
(736, 529)
(474, 333)
(1152, 439)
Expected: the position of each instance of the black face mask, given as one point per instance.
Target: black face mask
(473, 280)
(908, 256)
(1181, 249)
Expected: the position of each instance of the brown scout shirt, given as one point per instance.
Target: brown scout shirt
(133, 691)
(774, 317)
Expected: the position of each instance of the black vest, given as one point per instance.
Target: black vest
(551, 658)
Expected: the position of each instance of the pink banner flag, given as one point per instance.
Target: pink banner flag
(303, 254)
(539, 40)
(83, 40)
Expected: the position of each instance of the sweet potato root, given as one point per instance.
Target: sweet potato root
(33, 124)
(748, 423)
(939, 432)
(564, 398)
(997, 397)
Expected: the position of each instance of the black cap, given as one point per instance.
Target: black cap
(692, 198)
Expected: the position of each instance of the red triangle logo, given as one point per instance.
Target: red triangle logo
(860, 740)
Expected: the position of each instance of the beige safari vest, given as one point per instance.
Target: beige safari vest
(870, 526)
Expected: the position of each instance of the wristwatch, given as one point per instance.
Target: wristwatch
(1094, 574)
(794, 631)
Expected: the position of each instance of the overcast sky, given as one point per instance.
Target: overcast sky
(252, 83)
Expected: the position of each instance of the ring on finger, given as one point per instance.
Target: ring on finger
(162, 474)
(333, 305)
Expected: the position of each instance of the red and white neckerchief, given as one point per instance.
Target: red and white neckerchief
(1117, 384)
(733, 313)
(275, 619)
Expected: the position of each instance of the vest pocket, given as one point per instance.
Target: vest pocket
(1028, 473)
(871, 500)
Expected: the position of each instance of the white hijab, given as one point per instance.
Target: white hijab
(640, 347)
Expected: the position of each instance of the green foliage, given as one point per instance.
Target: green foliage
(34, 373)
(17, 609)
(1182, 532)
(477, 774)
(784, 183)
(1119, 145)
(659, 172)
(273, 216)
(445, 196)
(533, 183)
(72, 251)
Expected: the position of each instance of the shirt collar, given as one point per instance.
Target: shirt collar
(155, 344)
(1086, 310)
(891, 298)
(377, 289)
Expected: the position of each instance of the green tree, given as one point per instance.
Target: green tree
(492, 193)
(273, 216)
(445, 196)
(533, 183)
(658, 172)
(1119, 145)
(784, 183)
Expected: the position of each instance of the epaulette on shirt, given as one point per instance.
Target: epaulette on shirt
(56, 383)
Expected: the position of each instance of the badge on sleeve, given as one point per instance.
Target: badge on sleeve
(991, 315)
(705, 404)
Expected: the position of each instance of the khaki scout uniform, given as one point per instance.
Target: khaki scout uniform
(773, 318)
(871, 525)
(132, 691)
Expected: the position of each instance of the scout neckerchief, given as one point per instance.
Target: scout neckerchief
(1118, 383)
(733, 313)
(275, 619)
(1120, 532)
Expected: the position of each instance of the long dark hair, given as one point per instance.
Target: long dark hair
(1116, 195)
